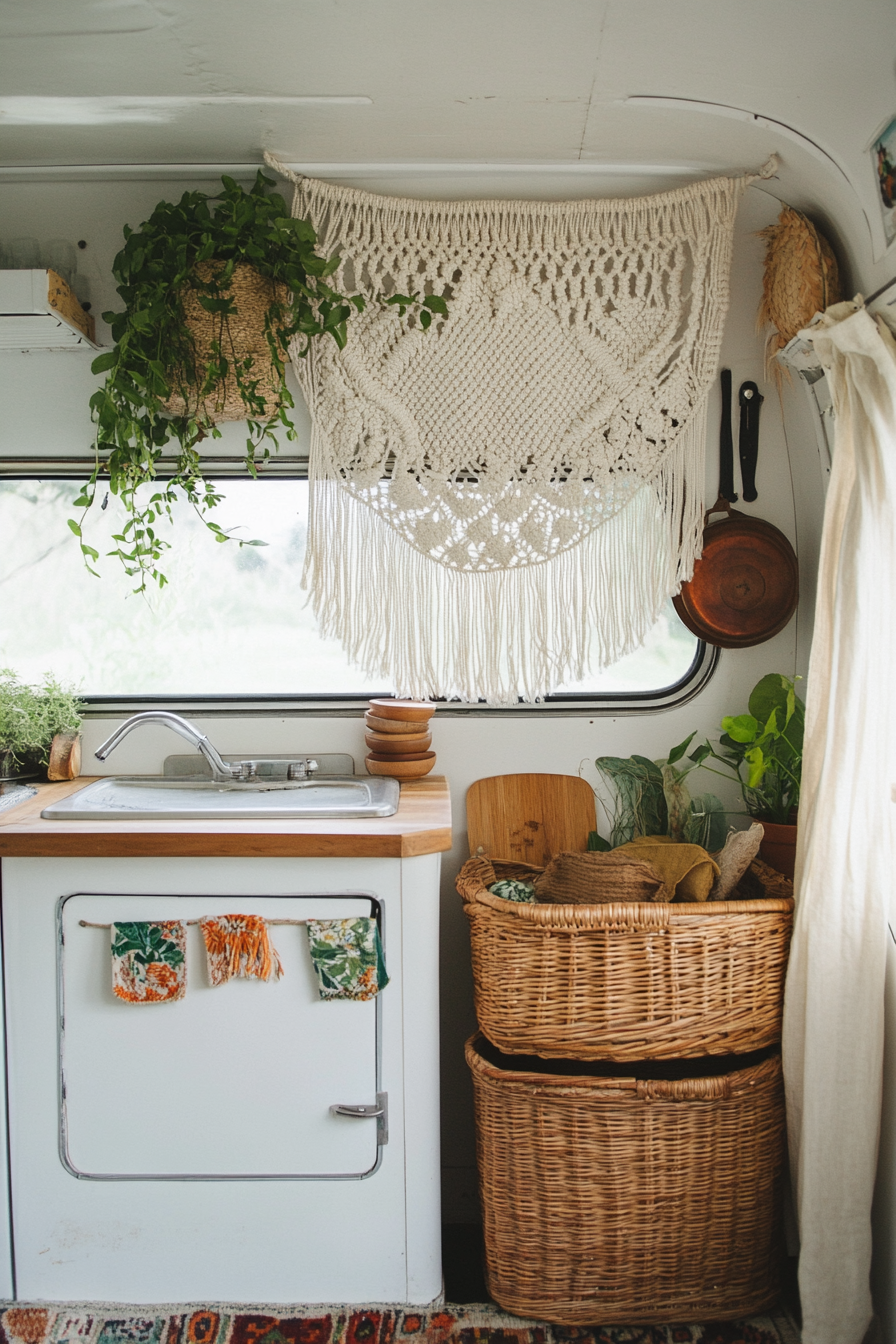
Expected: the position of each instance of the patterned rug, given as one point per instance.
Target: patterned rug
(476, 1324)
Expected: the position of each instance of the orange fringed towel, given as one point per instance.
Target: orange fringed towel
(239, 945)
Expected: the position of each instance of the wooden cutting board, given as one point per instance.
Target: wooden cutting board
(529, 817)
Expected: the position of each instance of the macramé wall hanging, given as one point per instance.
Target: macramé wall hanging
(505, 501)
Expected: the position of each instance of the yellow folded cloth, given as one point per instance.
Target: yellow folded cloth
(687, 870)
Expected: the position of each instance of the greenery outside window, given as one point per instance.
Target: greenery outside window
(232, 623)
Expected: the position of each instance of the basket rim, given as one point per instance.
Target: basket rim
(685, 1089)
(644, 914)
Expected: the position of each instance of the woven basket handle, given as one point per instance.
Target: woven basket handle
(685, 1089)
(610, 915)
(479, 873)
(474, 878)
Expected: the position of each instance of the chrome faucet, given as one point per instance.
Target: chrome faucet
(222, 773)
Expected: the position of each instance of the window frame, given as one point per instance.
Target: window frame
(575, 704)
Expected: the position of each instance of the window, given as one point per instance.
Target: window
(233, 621)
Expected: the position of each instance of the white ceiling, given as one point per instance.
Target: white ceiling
(533, 82)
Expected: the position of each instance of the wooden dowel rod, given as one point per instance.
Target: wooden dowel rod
(89, 924)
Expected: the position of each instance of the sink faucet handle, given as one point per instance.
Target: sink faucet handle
(302, 769)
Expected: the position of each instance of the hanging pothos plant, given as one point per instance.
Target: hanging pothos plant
(215, 288)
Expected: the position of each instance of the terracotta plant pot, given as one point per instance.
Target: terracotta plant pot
(778, 847)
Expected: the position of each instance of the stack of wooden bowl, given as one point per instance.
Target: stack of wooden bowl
(398, 736)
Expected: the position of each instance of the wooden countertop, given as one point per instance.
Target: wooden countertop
(422, 825)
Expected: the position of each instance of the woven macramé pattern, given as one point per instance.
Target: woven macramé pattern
(592, 878)
(581, 338)
(618, 1201)
(625, 980)
(508, 499)
(240, 335)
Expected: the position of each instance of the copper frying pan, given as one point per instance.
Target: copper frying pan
(746, 586)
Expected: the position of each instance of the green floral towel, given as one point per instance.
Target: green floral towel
(149, 960)
(348, 957)
(512, 890)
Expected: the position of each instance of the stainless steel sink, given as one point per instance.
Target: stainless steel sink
(156, 798)
(209, 786)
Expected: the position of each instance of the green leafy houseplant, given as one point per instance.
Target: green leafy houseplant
(163, 384)
(763, 749)
(30, 717)
(652, 798)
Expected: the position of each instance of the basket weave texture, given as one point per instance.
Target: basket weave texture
(241, 335)
(800, 279)
(621, 1201)
(624, 981)
(581, 879)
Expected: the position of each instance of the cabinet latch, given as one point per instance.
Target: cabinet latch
(379, 1112)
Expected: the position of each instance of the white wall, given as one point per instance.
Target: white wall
(43, 411)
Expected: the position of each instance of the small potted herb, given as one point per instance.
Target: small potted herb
(763, 750)
(32, 720)
(215, 289)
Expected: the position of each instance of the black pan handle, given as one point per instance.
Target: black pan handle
(751, 401)
(726, 444)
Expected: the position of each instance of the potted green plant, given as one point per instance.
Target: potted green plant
(763, 750)
(30, 718)
(653, 798)
(215, 288)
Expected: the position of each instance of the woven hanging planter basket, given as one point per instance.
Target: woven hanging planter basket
(801, 279)
(241, 335)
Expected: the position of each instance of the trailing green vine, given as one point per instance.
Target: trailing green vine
(194, 247)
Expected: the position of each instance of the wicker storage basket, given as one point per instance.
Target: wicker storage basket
(630, 1200)
(628, 980)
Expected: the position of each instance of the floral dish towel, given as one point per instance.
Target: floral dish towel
(523, 893)
(149, 960)
(348, 957)
(239, 946)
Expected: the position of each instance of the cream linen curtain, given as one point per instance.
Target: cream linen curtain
(834, 1006)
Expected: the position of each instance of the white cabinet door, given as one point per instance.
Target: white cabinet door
(142, 1096)
(234, 1081)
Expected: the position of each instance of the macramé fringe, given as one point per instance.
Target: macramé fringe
(512, 634)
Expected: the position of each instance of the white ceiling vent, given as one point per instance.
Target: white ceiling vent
(38, 311)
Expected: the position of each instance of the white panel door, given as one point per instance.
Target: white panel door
(231, 1081)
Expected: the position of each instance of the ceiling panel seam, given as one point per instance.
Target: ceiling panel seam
(587, 116)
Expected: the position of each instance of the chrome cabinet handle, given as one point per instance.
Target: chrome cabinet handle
(379, 1112)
